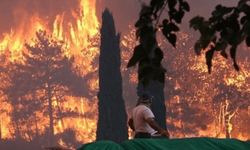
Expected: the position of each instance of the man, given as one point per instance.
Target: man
(142, 120)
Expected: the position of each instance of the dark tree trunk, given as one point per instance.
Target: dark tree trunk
(112, 123)
(0, 125)
(37, 130)
(17, 132)
(51, 119)
(60, 114)
(15, 120)
(36, 123)
(158, 104)
(227, 126)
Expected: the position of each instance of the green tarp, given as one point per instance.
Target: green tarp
(170, 144)
(101, 145)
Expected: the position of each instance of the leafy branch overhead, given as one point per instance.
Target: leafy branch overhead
(227, 27)
(148, 54)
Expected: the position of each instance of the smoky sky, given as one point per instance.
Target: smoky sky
(125, 12)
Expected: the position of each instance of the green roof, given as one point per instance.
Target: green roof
(170, 144)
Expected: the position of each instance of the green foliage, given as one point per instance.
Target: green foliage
(147, 53)
(232, 24)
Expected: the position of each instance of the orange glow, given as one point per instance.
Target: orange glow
(76, 35)
(198, 87)
(5, 119)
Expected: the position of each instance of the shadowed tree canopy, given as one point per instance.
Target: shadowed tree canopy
(230, 24)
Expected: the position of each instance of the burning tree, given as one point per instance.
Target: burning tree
(196, 102)
(40, 82)
(5, 80)
(228, 26)
(112, 123)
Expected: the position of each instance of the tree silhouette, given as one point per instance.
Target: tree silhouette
(228, 26)
(41, 79)
(112, 114)
(189, 90)
(5, 66)
(230, 102)
(148, 53)
(232, 23)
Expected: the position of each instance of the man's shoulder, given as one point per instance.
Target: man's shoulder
(141, 108)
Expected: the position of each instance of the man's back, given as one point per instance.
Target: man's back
(142, 121)
(140, 114)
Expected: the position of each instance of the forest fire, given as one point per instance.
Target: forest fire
(75, 35)
(218, 101)
(198, 104)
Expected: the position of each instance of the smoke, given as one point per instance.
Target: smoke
(126, 12)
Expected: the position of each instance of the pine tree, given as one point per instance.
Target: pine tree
(45, 75)
(112, 123)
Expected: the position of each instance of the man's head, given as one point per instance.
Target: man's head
(146, 98)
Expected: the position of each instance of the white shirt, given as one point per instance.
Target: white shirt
(139, 116)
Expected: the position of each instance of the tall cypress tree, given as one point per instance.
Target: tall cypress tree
(112, 123)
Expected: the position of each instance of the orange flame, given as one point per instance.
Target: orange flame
(75, 35)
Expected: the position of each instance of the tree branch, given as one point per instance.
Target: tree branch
(163, 8)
